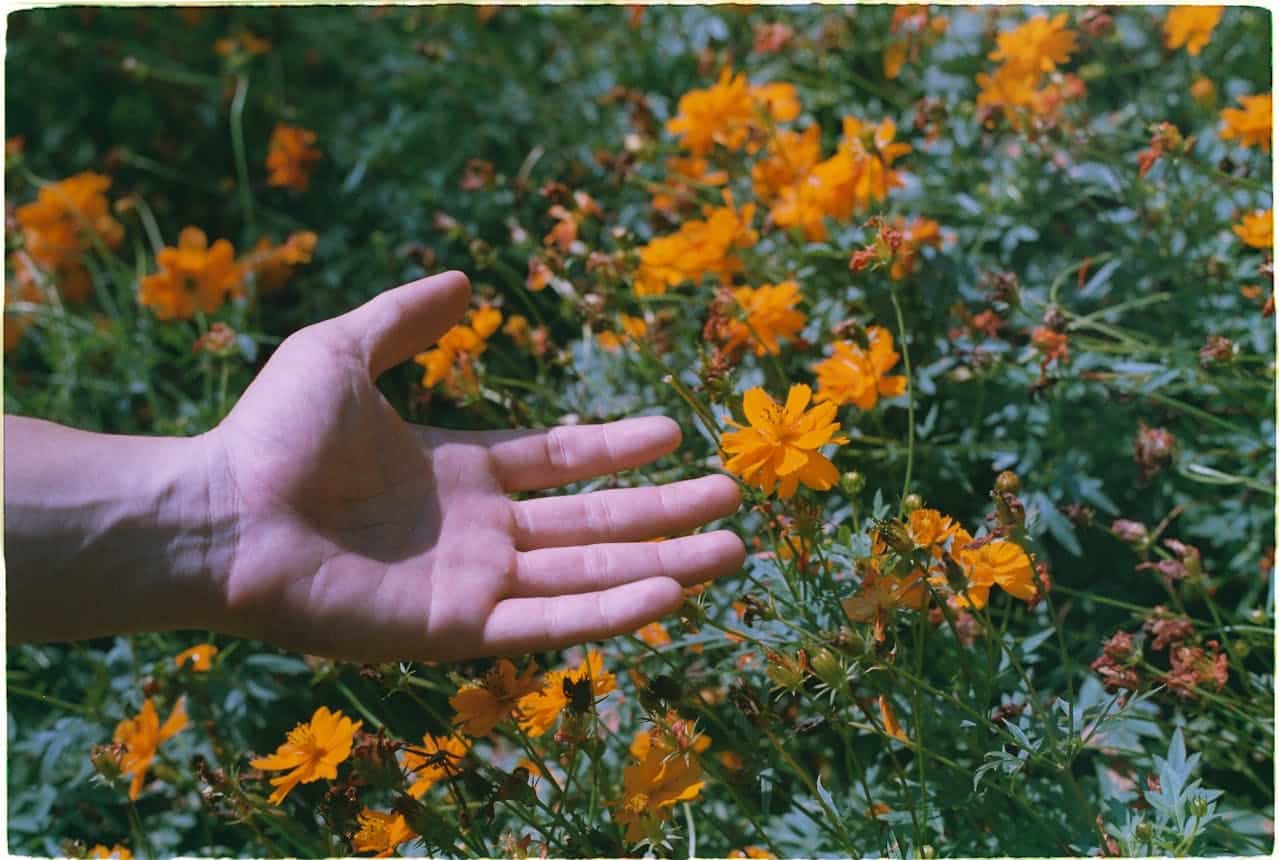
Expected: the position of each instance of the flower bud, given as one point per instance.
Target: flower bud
(852, 483)
(1198, 807)
(107, 760)
(825, 665)
(1008, 482)
(1145, 832)
(1131, 532)
(786, 673)
(912, 503)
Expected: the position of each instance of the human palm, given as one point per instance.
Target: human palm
(364, 537)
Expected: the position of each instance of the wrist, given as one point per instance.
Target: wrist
(111, 534)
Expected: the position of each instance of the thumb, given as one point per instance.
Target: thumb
(396, 325)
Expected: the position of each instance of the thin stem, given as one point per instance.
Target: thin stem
(910, 395)
(237, 144)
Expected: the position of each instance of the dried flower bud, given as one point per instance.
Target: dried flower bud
(1008, 482)
(1131, 532)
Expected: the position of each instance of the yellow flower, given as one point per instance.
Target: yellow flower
(1257, 229)
(141, 737)
(381, 832)
(480, 706)
(291, 157)
(539, 711)
(781, 444)
(1038, 45)
(311, 752)
(1191, 26)
(856, 375)
(193, 276)
(770, 314)
(199, 657)
(660, 779)
(1252, 125)
(437, 758)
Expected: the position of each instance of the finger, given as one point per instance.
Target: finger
(540, 459)
(396, 325)
(529, 624)
(610, 516)
(597, 567)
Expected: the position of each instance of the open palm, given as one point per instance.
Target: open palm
(363, 537)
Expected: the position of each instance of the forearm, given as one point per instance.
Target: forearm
(109, 534)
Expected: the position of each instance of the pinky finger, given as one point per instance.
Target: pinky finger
(522, 625)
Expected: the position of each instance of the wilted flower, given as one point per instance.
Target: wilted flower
(141, 737)
(1153, 450)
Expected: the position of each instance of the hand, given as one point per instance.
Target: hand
(363, 537)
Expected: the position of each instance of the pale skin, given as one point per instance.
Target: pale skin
(315, 518)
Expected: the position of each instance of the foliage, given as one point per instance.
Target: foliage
(1048, 266)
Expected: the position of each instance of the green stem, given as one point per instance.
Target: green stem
(910, 395)
(237, 144)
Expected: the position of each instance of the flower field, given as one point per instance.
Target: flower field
(975, 303)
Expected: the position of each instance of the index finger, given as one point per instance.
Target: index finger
(542, 459)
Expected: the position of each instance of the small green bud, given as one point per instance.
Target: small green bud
(826, 666)
(912, 503)
(1198, 807)
(852, 483)
(927, 852)
(1145, 832)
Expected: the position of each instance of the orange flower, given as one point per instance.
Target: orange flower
(882, 593)
(481, 705)
(381, 832)
(271, 265)
(753, 852)
(721, 114)
(729, 111)
(770, 314)
(199, 657)
(1191, 26)
(192, 277)
(311, 752)
(791, 156)
(115, 852)
(661, 778)
(633, 329)
(894, 59)
(700, 248)
(1203, 91)
(62, 223)
(454, 353)
(540, 710)
(782, 443)
(539, 275)
(1257, 229)
(437, 758)
(929, 528)
(654, 634)
(997, 562)
(1038, 45)
(856, 375)
(1007, 87)
(291, 157)
(1252, 125)
(1054, 345)
(141, 737)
